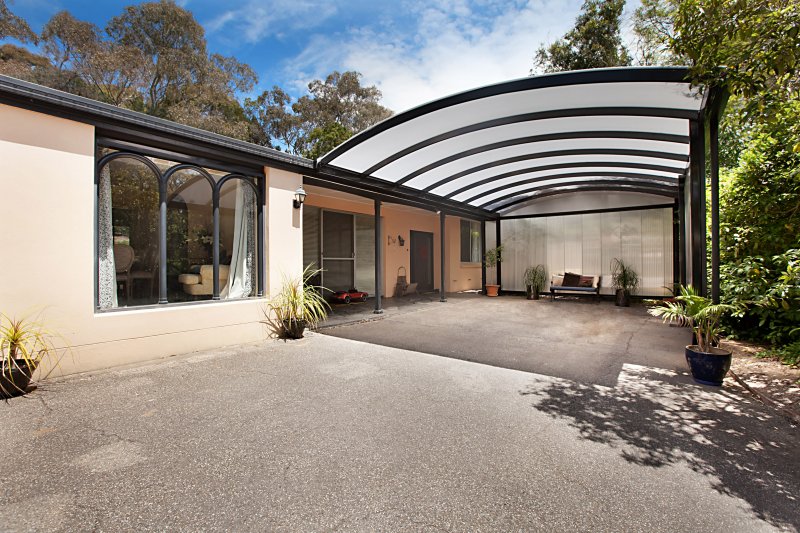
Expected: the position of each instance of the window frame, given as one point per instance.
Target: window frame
(255, 179)
(475, 226)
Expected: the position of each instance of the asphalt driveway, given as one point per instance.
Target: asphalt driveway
(578, 339)
(332, 434)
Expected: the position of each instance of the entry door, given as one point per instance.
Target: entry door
(338, 251)
(422, 260)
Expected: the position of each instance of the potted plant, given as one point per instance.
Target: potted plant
(535, 278)
(490, 259)
(298, 305)
(625, 280)
(24, 344)
(707, 362)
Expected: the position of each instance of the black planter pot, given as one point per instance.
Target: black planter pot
(708, 368)
(530, 293)
(293, 329)
(622, 299)
(14, 381)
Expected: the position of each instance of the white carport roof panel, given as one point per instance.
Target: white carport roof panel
(475, 168)
(584, 172)
(596, 176)
(494, 173)
(403, 166)
(658, 95)
(521, 172)
(505, 206)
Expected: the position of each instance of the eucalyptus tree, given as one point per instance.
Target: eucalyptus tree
(594, 42)
(333, 110)
(14, 27)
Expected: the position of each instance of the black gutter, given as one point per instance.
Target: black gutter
(131, 126)
(347, 181)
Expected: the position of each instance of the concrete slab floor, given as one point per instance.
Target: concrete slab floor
(331, 434)
(573, 338)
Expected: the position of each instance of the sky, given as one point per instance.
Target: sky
(414, 51)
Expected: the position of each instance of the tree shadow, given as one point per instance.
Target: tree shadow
(656, 418)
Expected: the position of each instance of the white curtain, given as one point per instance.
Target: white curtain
(240, 276)
(106, 272)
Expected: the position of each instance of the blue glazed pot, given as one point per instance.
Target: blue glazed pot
(708, 368)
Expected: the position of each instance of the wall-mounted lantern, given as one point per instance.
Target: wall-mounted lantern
(299, 197)
(401, 240)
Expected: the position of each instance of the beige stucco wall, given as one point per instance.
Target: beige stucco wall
(401, 220)
(47, 215)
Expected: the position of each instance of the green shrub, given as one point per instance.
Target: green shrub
(768, 289)
(788, 355)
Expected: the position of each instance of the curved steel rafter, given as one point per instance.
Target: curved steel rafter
(650, 154)
(654, 112)
(561, 79)
(588, 174)
(670, 193)
(644, 183)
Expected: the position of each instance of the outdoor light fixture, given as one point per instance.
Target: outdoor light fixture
(401, 240)
(299, 197)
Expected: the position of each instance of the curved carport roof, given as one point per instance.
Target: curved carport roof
(498, 147)
(487, 152)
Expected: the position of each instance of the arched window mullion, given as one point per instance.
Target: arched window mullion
(171, 171)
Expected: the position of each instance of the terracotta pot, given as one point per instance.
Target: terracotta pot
(492, 290)
(708, 368)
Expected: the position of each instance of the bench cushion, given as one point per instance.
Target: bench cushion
(577, 289)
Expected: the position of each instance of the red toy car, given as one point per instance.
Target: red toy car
(345, 297)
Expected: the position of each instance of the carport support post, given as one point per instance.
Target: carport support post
(378, 258)
(483, 254)
(713, 132)
(697, 182)
(443, 279)
(497, 269)
(682, 229)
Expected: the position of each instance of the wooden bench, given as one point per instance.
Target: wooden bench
(585, 285)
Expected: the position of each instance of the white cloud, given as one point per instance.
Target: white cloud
(448, 47)
(256, 20)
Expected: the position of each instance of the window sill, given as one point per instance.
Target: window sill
(470, 265)
(173, 305)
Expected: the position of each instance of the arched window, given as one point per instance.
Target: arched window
(237, 236)
(128, 196)
(165, 229)
(190, 232)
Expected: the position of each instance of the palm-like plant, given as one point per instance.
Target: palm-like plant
(698, 312)
(297, 305)
(624, 277)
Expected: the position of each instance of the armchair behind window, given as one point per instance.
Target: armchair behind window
(123, 260)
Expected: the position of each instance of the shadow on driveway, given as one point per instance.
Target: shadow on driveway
(656, 419)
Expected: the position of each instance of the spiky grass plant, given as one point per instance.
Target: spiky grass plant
(535, 278)
(24, 344)
(298, 305)
(698, 312)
